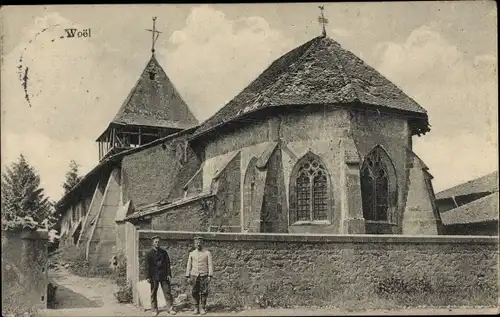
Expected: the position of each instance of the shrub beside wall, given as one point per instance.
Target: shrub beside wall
(372, 272)
(123, 293)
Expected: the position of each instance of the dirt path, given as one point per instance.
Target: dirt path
(78, 296)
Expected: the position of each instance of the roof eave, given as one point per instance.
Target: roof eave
(424, 127)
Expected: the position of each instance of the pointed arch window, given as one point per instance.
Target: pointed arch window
(379, 187)
(309, 190)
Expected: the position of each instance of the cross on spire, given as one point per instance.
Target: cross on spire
(154, 35)
(323, 20)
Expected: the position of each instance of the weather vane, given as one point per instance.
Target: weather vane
(154, 35)
(323, 20)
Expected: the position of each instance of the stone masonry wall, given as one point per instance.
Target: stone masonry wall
(158, 172)
(187, 217)
(24, 271)
(199, 214)
(392, 133)
(387, 271)
(228, 202)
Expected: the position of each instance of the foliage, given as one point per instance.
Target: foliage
(72, 177)
(24, 205)
(18, 223)
(121, 269)
(123, 293)
(15, 304)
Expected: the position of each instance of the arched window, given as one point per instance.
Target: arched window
(378, 186)
(309, 190)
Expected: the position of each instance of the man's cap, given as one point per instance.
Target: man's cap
(156, 237)
(198, 238)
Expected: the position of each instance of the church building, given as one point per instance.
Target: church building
(318, 143)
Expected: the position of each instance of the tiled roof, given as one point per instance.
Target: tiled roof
(317, 72)
(155, 102)
(487, 183)
(483, 209)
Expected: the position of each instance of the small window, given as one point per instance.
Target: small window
(152, 75)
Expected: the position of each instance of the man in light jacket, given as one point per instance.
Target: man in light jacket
(199, 272)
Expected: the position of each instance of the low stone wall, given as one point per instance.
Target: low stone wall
(349, 271)
(24, 271)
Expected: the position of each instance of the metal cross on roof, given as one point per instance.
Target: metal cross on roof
(154, 35)
(323, 20)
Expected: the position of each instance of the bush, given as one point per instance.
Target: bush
(124, 291)
(20, 223)
(124, 294)
(121, 269)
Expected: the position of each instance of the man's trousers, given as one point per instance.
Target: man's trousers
(165, 286)
(200, 290)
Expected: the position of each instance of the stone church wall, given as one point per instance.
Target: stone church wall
(228, 197)
(385, 271)
(319, 132)
(103, 232)
(187, 217)
(152, 174)
(71, 216)
(392, 133)
(324, 132)
(247, 135)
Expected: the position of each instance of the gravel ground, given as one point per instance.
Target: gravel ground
(78, 296)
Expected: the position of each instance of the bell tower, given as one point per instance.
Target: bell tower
(153, 109)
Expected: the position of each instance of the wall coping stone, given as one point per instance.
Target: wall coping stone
(320, 238)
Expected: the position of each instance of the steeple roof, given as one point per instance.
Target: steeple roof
(318, 72)
(154, 101)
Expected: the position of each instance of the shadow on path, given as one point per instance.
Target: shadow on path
(66, 298)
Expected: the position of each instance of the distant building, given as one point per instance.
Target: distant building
(320, 142)
(470, 208)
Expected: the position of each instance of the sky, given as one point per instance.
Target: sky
(442, 54)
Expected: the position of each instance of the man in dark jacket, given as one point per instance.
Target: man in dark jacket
(158, 272)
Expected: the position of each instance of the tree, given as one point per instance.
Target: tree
(72, 177)
(23, 201)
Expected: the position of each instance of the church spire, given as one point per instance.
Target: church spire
(322, 20)
(154, 36)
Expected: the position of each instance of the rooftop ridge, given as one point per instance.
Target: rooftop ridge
(319, 72)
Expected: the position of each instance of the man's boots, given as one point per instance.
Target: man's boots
(203, 305)
(196, 310)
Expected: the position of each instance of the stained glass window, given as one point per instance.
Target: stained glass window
(311, 191)
(375, 186)
(303, 198)
(319, 196)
